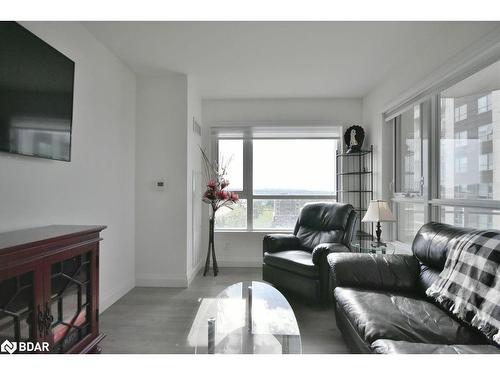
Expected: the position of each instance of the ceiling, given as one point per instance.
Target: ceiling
(284, 59)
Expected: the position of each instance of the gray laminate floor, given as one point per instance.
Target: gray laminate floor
(158, 320)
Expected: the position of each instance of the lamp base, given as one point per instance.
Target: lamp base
(378, 233)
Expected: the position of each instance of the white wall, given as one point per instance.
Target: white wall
(242, 248)
(161, 154)
(97, 186)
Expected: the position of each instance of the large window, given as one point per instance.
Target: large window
(462, 172)
(408, 203)
(275, 177)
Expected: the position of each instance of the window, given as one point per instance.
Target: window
(478, 207)
(410, 218)
(485, 190)
(485, 132)
(231, 155)
(232, 218)
(294, 166)
(461, 139)
(462, 180)
(464, 165)
(275, 176)
(485, 162)
(484, 104)
(409, 156)
(408, 128)
(470, 217)
(461, 113)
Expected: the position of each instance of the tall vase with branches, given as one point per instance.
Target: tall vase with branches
(217, 196)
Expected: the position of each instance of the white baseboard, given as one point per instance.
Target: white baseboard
(240, 262)
(161, 280)
(194, 272)
(106, 302)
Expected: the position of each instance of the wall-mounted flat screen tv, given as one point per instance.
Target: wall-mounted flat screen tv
(36, 95)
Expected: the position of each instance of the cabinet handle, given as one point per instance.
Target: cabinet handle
(40, 321)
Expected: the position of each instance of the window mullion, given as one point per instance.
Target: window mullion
(248, 179)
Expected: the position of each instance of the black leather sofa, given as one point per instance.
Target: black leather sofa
(381, 306)
(297, 262)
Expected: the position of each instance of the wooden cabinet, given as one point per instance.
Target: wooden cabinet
(49, 287)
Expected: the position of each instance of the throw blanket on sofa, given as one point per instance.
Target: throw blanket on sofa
(469, 285)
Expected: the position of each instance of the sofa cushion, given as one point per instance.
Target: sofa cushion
(387, 315)
(404, 347)
(296, 261)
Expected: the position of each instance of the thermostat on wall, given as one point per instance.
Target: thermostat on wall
(160, 185)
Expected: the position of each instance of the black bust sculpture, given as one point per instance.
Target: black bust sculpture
(353, 138)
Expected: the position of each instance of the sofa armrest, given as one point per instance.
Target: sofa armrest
(323, 249)
(273, 243)
(374, 271)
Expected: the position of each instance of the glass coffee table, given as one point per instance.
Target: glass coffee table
(372, 247)
(246, 318)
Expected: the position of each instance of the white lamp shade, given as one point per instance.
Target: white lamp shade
(378, 211)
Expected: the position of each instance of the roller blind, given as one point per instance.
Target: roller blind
(279, 132)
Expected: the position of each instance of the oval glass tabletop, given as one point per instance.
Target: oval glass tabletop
(248, 317)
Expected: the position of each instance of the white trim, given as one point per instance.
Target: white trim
(474, 203)
(194, 272)
(106, 302)
(161, 280)
(477, 56)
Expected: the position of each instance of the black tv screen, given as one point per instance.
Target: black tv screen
(36, 95)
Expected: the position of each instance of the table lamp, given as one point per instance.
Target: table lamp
(378, 211)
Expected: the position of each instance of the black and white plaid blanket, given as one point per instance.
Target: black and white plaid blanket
(469, 285)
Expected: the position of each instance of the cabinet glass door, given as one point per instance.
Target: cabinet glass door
(70, 301)
(17, 296)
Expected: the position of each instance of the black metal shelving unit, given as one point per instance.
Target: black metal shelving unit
(355, 184)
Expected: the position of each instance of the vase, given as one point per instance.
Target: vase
(211, 248)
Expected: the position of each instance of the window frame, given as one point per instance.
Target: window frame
(431, 172)
(247, 192)
(489, 105)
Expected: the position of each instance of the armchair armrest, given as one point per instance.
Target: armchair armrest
(273, 243)
(323, 249)
(374, 271)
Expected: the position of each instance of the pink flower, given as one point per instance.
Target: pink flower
(212, 184)
(234, 196)
(222, 194)
(209, 195)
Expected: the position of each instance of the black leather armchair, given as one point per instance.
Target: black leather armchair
(297, 262)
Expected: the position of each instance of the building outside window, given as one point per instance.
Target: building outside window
(484, 104)
(485, 132)
(485, 162)
(461, 138)
(461, 113)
